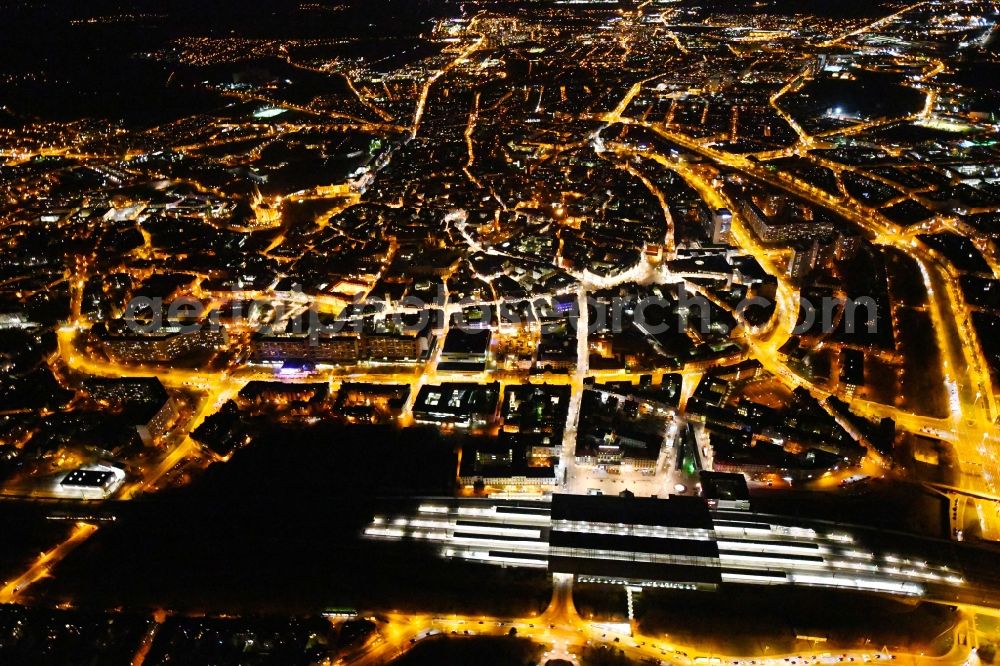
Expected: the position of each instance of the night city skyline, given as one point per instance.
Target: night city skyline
(514, 332)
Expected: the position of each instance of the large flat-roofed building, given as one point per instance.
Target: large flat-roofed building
(781, 228)
(632, 540)
(341, 348)
(725, 491)
(461, 404)
(169, 343)
(345, 346)
(406, 337)
(465, 350)
(395, 347)
(89, 483)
